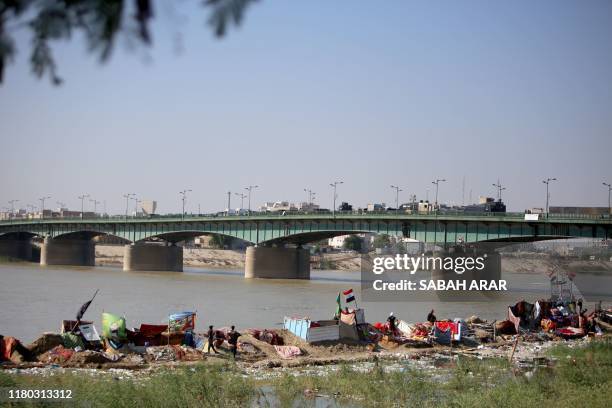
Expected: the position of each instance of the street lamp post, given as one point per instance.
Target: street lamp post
(95, 203)
(127, 197)
(42, 206)
(437, 183)
(12, 203)
(183, 198)
(499, 188)
(82, 198)
(242, 197)
(397, 191)
(136, 202)
(609, 191)
(310, 194)
(229, 202)
(249, 189)
(334, 185)
(547, 182)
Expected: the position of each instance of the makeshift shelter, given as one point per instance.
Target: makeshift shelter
(313, 331)
(349, 323)
(181, 322)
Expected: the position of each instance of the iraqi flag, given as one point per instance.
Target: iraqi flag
(350, 297)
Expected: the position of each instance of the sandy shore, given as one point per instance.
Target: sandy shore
(229, 259)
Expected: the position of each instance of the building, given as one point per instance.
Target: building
(278, 206)
(579, 210)
(148, 207)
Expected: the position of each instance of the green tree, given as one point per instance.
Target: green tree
(101, 21)
(381, 241)
(353, 243)
(220, 241)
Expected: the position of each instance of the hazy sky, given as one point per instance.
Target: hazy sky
(305, 93)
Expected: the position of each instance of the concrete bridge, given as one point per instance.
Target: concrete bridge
(277, 239)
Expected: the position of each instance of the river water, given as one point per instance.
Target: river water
(34, 299)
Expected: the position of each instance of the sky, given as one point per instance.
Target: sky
(306, 93)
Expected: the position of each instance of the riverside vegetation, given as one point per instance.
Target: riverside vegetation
(578, 376)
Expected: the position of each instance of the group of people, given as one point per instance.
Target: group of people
(232, 339)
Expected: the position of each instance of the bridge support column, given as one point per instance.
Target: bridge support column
(78, 252)
(153, 257)
(16, 249)
(277, 263)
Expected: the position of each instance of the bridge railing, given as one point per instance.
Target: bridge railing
(303, 214)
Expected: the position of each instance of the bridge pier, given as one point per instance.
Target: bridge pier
(78, 252)
(277, 263)
(16, 249)
(152, 257)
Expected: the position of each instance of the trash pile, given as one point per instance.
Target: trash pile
(79, 343)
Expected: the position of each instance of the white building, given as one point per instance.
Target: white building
(148, 207)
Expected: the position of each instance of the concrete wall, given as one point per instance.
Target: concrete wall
(16, 248)
(277, 263)
(152, 257)
(68, 252)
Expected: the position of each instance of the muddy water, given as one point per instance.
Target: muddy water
(35, 299)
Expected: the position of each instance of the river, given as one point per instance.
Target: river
(34, 299)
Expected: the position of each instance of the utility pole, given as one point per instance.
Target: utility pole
(609, 190)
(334, 185)
(547, 182)
(397, 191)
(82, 198)
(242, 197)
(127, 197)
(95, 203)
(42, 206)
(136, 202)
(310, 194)
(183, 198)
(499, 188)
(229, 201)
(437, 183)
(249, 189)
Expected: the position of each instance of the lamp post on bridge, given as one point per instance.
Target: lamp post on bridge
(12, 203)
(547, 182)
(609, 191)
(242, 197)
(437, 183)
(229, 202)
(310, 194)
(82, 198)
(249, 189)
(127, 197)
(95, 203)
(397, 191)
(334, 185)
(136, 202)
(42, 206)
(499, 188)
(183, 198)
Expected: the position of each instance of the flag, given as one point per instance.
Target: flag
(338, 306)
(83, 308)
(349, 295)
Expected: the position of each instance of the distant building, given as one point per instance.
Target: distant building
(278, 206)
(579, 210)
(148, 207)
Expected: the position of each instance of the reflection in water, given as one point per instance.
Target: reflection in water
(35, 299)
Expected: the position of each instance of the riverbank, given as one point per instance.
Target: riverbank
(565, 374)
(229, 259)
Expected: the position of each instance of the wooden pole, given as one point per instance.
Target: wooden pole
(513, 349)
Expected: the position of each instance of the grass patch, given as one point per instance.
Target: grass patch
(194, 386)
(581, 376)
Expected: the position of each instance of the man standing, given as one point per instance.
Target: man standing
(233, 341)
(391, 321)
(211, 340)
